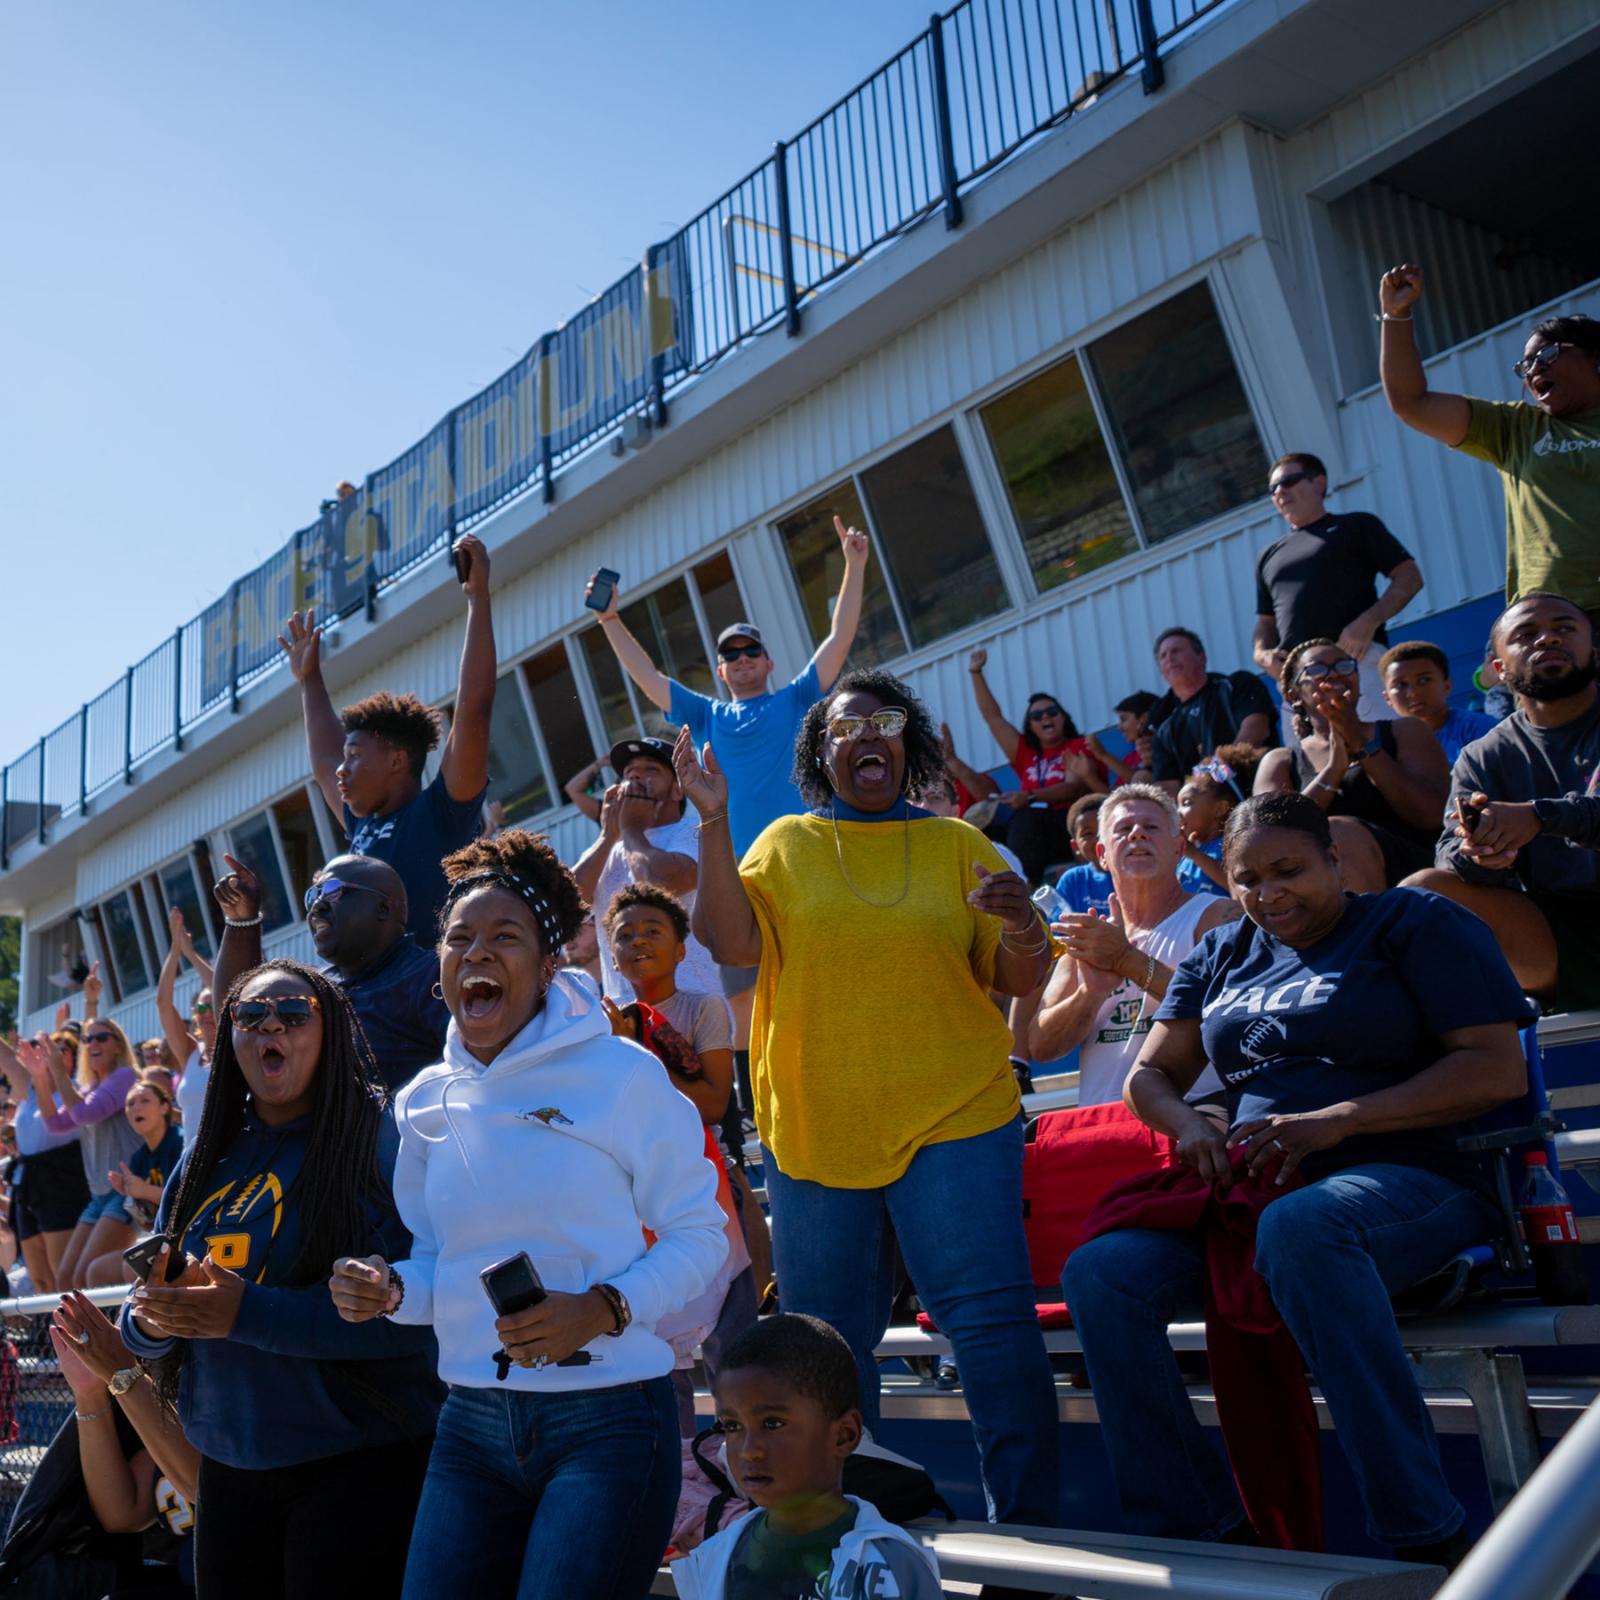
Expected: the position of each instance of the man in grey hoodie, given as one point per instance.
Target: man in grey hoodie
(1521, 842)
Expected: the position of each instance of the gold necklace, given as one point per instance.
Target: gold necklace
(838, 845)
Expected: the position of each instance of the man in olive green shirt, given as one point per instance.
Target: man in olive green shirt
(1546, 448)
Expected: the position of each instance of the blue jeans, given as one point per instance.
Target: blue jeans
(1332, 1254)
(957, 1214)
(547, 1496)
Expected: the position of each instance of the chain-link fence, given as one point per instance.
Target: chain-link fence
(34, 1397)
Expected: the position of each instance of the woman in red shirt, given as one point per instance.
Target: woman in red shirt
(1054, 766)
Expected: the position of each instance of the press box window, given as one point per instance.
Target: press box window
(253, 845)
(516, 774)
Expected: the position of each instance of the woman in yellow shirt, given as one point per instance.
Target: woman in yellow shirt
(886, 1103)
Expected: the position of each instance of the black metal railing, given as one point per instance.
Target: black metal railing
(982, 80)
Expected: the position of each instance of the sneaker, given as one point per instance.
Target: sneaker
(947, 1377)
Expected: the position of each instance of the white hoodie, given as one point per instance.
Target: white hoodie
(873, 1558)
(567, 1145)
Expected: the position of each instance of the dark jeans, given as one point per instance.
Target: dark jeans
(336, 1526)
(1038, 835)
(548, 1496)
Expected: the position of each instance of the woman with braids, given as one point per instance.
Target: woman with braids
(1390, 778)
(885, 1098)
(541, 1136)
(313, 1434)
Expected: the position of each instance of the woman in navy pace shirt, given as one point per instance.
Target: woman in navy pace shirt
(1355, 1034)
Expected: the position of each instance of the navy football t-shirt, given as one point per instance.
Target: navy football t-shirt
(1362, 1009)
(414, 840)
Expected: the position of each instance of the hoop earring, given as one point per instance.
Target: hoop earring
(438, 993)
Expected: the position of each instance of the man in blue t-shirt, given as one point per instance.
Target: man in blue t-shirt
(368, 759)
(752, 733)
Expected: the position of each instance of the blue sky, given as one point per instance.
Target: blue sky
(254, 250)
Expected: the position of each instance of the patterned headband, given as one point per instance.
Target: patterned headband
(544, 914)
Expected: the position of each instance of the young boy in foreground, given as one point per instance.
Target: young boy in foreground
(788, 1405)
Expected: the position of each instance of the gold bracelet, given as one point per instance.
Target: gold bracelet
(716, 816)
(1025, 950)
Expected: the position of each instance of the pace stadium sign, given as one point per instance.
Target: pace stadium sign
(610, 359)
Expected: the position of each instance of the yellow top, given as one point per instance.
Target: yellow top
(873, 1032)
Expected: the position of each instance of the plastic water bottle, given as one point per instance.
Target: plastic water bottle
(1050, 902)
(1550, 1231)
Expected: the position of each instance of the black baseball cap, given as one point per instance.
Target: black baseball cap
(741, 630)
(626, 750)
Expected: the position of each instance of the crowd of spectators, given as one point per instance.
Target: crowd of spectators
(426, 1240)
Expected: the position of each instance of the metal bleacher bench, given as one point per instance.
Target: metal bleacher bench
(1111, 1566)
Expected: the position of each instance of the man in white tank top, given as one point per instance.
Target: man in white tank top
(1103, 993)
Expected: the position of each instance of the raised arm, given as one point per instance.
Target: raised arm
(1005, 735)
(652, 681)
(576, 789)
(587, 868)
(301, 641)
(976, 783)
(724, 920)
(1444, 417)
(190, 954)
(464, 763)
(239, 897)
(179, 1040)
(833, 650)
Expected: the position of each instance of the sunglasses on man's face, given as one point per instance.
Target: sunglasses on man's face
(1345, 666)
(292, 1010)
(1545, 356)
(888, 722)
(733, 652)
(1287, 481)
(330, 889)
(1039, 713)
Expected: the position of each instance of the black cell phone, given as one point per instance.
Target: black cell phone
(463, 563)
(601, 589)
(1468, 814)
(143, 1255)
(512, 1285)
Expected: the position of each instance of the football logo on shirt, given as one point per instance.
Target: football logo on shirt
(548, 1115)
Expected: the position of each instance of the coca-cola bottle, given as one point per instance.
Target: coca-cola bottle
(1550, 1231)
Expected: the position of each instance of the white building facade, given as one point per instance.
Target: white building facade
(1055, 419)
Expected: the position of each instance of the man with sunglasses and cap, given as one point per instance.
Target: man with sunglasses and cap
(752, 733)
(1545, 446)
(646, 836)
(1319, 581)
(356, 911)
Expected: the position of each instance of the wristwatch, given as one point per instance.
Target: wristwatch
(1372, 747)
(124, 1379)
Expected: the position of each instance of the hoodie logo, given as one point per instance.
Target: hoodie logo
(548, 1115)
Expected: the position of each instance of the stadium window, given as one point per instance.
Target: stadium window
(1058, 475)
(558, 712)
(297, 833)
(612, 690)
(516, 772)
(119, 926)
(932, 537)
(253, 843)
(181, 890)
(57, 964)
(1179, 417)
(812, 547)
(720, 599)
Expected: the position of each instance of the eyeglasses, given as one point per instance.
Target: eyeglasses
(200, 1007)
(1544, 356)
(1287, 481)
(1345, 666)
(292, 1010)
(1039, 713)
(330, 889)
(733, 652)
(99, 1038)
(888, 722)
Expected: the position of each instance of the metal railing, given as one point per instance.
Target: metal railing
(982, 80)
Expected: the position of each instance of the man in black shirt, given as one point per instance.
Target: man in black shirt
(356, 911)
(1319, 581)
(1521, 845)
(1201, 710)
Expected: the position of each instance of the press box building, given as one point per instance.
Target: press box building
(1036, 304)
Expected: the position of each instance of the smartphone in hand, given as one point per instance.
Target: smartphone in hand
(463, 562)
(602, 588)
(512, 1285)
(1467, 814)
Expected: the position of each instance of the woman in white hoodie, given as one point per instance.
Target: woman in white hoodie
(555, 1472)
